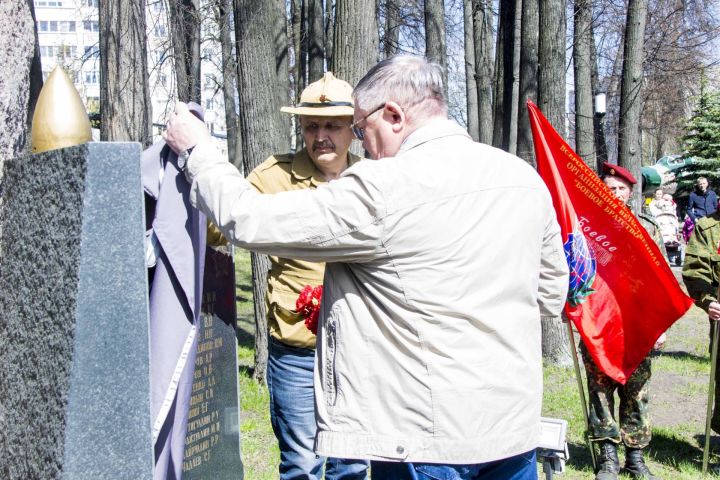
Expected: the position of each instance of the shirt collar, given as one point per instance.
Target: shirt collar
(303, 167)
(434, 129)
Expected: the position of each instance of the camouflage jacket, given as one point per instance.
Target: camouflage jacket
(701, 269)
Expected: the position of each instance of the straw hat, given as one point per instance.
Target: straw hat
(328, 97)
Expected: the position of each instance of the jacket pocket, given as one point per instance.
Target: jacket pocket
(329, 356)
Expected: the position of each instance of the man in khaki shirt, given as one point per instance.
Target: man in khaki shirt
(325, 114)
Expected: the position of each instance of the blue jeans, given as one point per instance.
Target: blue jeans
(519, 467)
(292, 413)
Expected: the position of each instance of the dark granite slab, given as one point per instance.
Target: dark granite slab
(74, 324)
(212, 444)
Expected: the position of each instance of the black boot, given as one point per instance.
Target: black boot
(608, 463)
(635, 465)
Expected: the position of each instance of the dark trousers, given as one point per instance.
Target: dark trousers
(519, 467)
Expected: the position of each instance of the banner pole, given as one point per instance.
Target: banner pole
(581, 389)
(711, 394)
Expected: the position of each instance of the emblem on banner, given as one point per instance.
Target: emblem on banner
(582, 265)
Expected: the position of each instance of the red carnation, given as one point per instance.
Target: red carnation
(308, 305)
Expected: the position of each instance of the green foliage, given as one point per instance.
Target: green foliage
(702, 142)
(703, 138)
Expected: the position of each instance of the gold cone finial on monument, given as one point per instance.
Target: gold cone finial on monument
(60, 119)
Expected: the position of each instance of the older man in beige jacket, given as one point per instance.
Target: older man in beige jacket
(442, 257)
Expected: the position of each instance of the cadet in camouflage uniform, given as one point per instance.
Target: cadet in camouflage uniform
(701, 272)
(634, 427)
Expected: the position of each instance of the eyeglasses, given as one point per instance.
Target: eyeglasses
(360, 132)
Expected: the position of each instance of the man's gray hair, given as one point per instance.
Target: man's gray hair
(408, 80)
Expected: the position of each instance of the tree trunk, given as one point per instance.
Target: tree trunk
(125, 106)
(600, 142)
(355, 45)
(297, 72)
(391, 39)
(315, 37)
(582, 61)
(551, 100)
(551, 56)
(435, 44)
(514, 83)
(36, 76)
(504, 75)
(223, 15)
(528, 78)
(329, 29)
(19, 85)
(629, 147)
(483, 42)
(303, 44)
(470, 83)
(185, 39)
(260, 33)
(296, 45)
(17, 50)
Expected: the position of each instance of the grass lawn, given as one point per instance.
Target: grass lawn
(260, 454)
(678, 395)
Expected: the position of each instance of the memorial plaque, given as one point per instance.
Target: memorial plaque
(212, 445)
(75, 399)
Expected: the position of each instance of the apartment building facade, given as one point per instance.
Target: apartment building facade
(68, 33)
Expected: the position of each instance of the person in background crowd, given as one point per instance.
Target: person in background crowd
(702, 200)
(655, 206)
(665, 214)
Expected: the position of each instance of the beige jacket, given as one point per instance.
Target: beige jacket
(441, 262)
(287, 277)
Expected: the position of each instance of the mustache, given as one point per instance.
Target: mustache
(323, 144)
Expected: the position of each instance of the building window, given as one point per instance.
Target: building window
(92, 52)
(160, 30)
(68, 26)
(48, 52)
(67, 51)
(48, 3)
(91, 3)
(209, 104)
(56, 26)
(92, 78)
(48, 26)
(162, 79)
(91, 26)
(61, 51)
